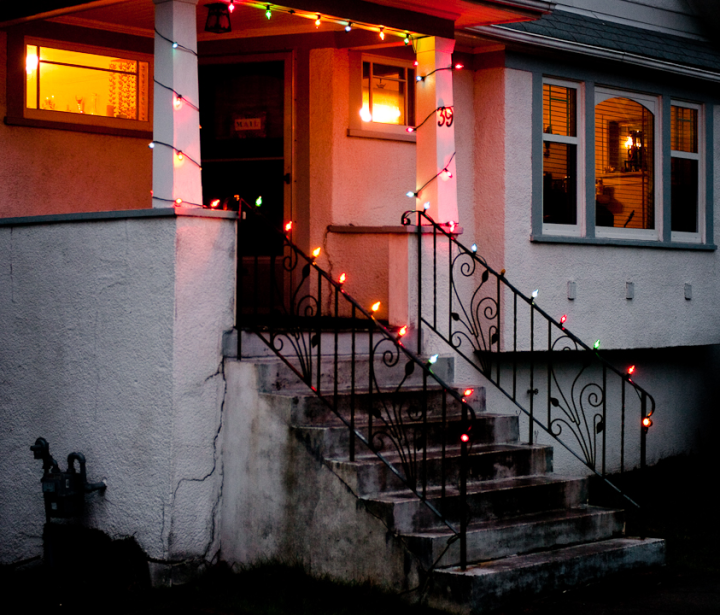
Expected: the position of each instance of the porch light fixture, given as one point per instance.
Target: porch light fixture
(218, 19)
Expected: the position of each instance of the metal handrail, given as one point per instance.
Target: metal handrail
(476, 321)
(288, 302)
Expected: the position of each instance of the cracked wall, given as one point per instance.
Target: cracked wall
(110, 344)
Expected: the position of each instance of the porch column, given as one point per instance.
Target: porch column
(435, 144)
(176, 129)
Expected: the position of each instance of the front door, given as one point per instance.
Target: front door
(246, 145)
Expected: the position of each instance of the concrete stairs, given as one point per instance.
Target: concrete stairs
(530, 530)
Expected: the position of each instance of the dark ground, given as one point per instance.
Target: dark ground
(679, 504)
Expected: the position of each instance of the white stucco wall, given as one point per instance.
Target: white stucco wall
(110, 345)
(108, 172)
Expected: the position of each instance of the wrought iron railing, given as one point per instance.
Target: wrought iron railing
(391, 401)
(522, 350)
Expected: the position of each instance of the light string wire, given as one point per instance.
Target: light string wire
(433, 178)
(435, 70)
(178, 151)
(180, 97)
(315, 16)
(175, 44)
(432, 113)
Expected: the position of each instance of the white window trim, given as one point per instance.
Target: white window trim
(698, 237)
(374, 129)
(83, 119)
(578, 229)
(652, 104)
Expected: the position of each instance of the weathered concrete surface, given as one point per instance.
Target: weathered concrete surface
(110, 344)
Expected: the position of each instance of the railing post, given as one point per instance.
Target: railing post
(419, 284)
(463, 491)
(532, 374)
(352, 386)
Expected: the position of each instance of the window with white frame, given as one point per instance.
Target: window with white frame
(625, 165)
(382, 100)
(561, 148)
(85, 85)
(685, 170)
(640, 180)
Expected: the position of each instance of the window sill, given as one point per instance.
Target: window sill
(377, 134)
(628, 243)
(100, 130)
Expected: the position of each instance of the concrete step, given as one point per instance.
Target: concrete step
(518, 535)
(368, 475)
(308, 409)
(404, 512)
(334, 441)
(274, 375)
(484, 587)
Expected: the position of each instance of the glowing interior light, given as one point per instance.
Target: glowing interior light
(563, 319)
(348, 27)
(534, 293)
(288, 226)
(631, 370)
(628, 142)
(468, 392)
(458, 66)
(647, 422)
(473, 247)
(316, 252)
(268, 12)
(178, 201)
(596, 345)
(31, 63)
(365, 114)
(151, 145)
(426, 206)
(433, 359)
(375, 307)
(214, 202)
(231, 8)
(342, 278)
(465, 438)
(410, 194)
(258, 202)
(318, 21)
(403, 330)
(382, 34)
(178, 102)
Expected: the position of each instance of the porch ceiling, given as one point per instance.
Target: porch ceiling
(420, 16)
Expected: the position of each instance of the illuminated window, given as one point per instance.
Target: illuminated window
(684, 170)
(388, 93)
(78, 86)
(624, 163)
(560, 155)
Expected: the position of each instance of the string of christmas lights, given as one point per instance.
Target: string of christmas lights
(456, 66)
(446, 121)
(179, 98)
(445, 170)
(175, 44)
(348, 25)
(180, 154)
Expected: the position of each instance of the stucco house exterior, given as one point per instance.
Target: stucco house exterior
(567, 151)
